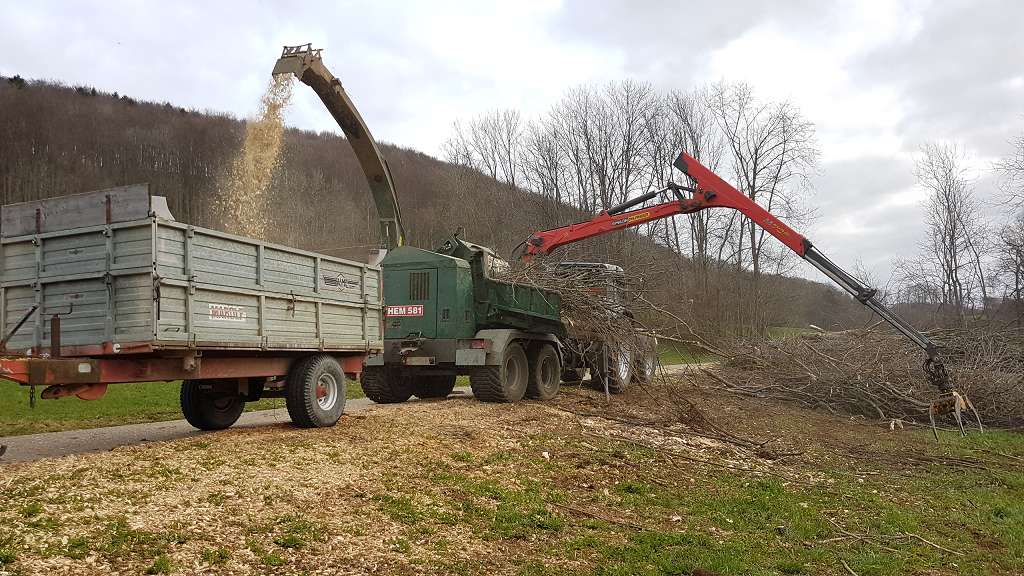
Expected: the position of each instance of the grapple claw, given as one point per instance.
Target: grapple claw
(954, 403)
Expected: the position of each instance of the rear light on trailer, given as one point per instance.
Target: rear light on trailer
(478, 344)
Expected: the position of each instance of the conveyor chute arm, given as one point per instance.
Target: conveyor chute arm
(306, 64)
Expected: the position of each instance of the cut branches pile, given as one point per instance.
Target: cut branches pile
(877, 374)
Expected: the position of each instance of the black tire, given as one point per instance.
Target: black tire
(207, 405)
(572, 375)
(505, 383)
(617, 371)
(386, 384)
(646, 365)
(315, 392)
(545, 373)
(434, 386)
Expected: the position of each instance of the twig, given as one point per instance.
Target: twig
(597, 516)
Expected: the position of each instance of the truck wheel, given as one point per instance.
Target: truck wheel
(505, 383)
(386, 384)
(572, 375)
(545, 374)
(619, 372)
(316, 392)
(646, 365)
(205, 408)
(434, 386)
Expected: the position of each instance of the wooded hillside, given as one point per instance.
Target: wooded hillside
(57, 140)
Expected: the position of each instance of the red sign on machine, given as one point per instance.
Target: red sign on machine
(405, 310)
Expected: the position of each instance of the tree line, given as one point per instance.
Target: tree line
(600, 145)
(57, 140)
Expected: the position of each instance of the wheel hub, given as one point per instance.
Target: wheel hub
(326, 391)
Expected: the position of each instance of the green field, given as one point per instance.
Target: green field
(122, 404)
(670, 353)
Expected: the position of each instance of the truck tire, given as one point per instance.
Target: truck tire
(617, 372)
(205, 408)
(386, 384)
(315, 392)
(434, 386)
(545, 373)
(646, 365)
(505, 383)
(572, 374)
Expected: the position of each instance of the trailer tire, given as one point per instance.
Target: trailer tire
(204, 409)
(315, 392)
(505, 383)
(386, 385)
(434, 386)
(617, 371)
(545, 373)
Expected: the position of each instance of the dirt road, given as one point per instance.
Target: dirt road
(55, 444)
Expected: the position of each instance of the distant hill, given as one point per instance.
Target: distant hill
(57, 140)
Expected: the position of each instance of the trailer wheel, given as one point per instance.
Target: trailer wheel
(386, 384)
(617, 370)
(545, 373)
(434, 386)
(205, 408)
(315, 394)
(505, 383)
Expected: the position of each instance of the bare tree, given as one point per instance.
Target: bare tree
(1012, 170)
(491, 143)
(953, 245)
(695, 131)
(1010, 264)
(773, 153)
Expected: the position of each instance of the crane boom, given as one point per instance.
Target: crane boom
(711, 191)
(305, 63)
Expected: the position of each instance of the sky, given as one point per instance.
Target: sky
(878, 79)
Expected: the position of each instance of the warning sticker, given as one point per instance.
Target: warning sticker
(404, 310)
(227, 313)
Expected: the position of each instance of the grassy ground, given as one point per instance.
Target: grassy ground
(671, 353)
(122, 404)
(572, 487)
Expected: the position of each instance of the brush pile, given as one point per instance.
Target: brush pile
(878, 374)
(597, 302)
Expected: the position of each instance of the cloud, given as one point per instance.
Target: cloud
(877, 78)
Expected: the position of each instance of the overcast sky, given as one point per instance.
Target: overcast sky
(877, 78)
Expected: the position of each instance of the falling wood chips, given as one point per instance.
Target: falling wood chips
(244, 203)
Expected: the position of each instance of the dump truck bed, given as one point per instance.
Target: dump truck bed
(125, 278)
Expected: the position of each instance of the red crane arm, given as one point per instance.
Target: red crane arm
(710, 191)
